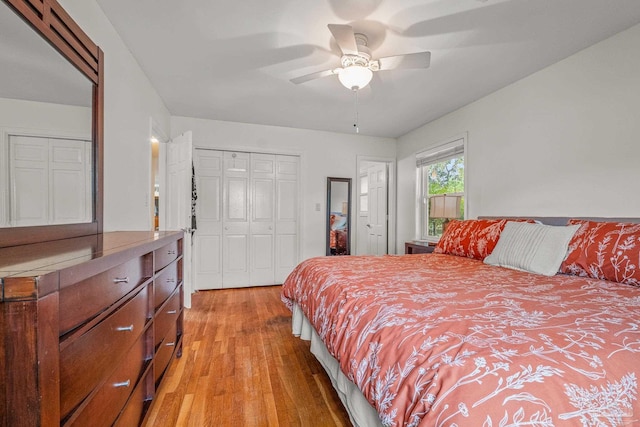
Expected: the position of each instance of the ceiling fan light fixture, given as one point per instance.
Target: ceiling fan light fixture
(355, 77)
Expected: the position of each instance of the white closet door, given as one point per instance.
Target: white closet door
(235, 257)
(286, 246)
(68, 182)
(50, 180)
(208, 235)
(247, 219)
(29, 180)
(262, 219)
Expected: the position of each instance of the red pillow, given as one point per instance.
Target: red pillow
(471, 238)
(604, 250)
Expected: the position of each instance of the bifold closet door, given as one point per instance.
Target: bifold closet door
(247, 219)
(54, 175)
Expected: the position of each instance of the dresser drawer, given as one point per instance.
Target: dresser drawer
(134, 411)
(87, 298)
(165, 255)
(106, 404)
(164, 353)
(167, 317)
(165, 283)
(90, 358)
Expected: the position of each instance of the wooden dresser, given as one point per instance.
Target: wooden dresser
(88, 326)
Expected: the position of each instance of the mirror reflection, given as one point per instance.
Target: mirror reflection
(338, 216)
(45, 131)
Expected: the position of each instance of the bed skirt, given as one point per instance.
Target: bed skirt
(360, 411)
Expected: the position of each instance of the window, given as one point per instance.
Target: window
(364, 195)
(441, 195)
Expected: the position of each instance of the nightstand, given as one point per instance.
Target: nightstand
(419, 247)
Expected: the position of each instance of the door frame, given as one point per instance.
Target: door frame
(391, 196)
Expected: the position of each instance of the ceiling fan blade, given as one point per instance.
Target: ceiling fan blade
(313, 76)
(411, 60)
(343, 34)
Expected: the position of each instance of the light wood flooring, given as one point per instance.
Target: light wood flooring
(242, 367)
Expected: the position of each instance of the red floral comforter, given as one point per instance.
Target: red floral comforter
(439, 340)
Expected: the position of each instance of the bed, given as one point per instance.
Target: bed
(446, 339)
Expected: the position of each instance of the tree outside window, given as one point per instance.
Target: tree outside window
(444, 177)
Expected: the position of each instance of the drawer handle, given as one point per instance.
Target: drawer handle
(126, 383)
(121, 280)
(170, 344)
(124, 328)
(171, 252)
(172, 311)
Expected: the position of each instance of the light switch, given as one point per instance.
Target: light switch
(317, 207)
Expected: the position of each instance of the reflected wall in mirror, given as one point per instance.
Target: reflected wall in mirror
(338, 216)
(45, 131)
(51, 125)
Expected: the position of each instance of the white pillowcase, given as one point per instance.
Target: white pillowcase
(535, 248)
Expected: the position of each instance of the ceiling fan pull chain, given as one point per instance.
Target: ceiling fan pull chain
(355, 124)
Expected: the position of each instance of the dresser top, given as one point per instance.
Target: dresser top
(79, 257)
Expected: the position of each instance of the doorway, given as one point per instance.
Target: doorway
(156, 192)
(375, 204)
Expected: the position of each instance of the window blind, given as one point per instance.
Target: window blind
(441, 153)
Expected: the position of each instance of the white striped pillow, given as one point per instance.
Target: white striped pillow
(535, 248)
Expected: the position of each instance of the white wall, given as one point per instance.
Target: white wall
(561, 142)
(51, 119)
(130, 102)
(322, 154)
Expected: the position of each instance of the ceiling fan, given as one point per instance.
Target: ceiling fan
(357, 66)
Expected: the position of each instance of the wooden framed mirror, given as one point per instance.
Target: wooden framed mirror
(51, 126)
(338, 216)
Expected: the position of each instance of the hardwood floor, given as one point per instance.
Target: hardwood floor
(242, 367)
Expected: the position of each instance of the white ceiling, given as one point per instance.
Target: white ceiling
(232, 60)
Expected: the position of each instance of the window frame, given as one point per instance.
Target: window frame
(438, 152)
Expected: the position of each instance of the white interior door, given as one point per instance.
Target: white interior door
(235, 220)
(178, 206)
(377, 208)
(207, 245)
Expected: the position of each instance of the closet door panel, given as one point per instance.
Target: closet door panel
(236, 205)
(29, 180)
(208, 236)
(68, 182)
(262, 219)
(286, 216)
(236, 230)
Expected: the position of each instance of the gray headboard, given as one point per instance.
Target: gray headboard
(562, 220)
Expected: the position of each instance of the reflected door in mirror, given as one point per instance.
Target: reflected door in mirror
(49, 181)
